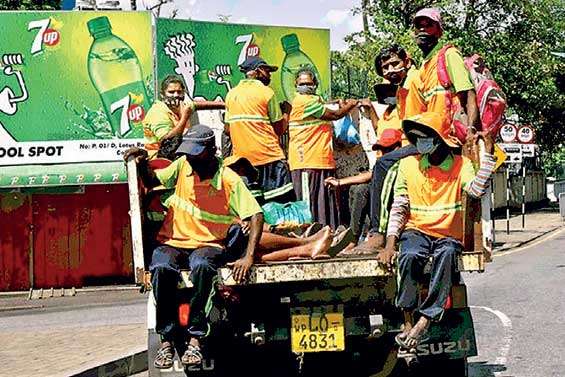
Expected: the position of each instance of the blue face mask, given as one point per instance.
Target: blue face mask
(426, 145)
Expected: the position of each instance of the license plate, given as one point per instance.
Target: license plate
(317, 332)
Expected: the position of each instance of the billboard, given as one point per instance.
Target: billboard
(207, 55)
(74, 86)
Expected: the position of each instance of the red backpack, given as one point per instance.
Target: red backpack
(491, 101)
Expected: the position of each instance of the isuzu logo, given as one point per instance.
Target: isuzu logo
(461, 346)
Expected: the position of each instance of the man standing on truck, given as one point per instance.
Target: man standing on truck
(197, 235)
(310, 149)
(170, 116)
(254, 123)
(426, 92)
(426, 218)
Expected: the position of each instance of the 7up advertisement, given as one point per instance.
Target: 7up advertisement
(207, 54)
(74, 86)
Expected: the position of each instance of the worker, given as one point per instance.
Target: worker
(397, 69)
(255, 121)
(197, 234)
(426, 218)
(426, 92)
(170, 116)
(310, 149)
(390, 140)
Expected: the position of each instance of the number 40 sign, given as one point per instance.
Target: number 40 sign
(526, 134)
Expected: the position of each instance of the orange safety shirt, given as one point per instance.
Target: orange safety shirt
(157, 123)
(435, 193)
(251, 108)
(310, 144)
(200, 212)
(426, 92)
(393, 119)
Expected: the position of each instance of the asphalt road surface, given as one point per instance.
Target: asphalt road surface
(518, 307)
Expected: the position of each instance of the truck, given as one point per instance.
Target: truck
(312, 318)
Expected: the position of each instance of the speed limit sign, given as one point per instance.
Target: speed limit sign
(526, 134)
(508, 133)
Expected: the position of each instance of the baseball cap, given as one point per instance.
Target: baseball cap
(432, 13)
(196, 140)
(254, 62)
(389, 137)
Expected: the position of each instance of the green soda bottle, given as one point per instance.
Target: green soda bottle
(294, 60)
(116, 74)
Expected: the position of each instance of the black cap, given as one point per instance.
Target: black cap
(196, 140)
(254, 62)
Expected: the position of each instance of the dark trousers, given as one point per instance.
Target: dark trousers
(380, 170)
(166, 264)
(359, 208)
(415, 250)
(309, 186)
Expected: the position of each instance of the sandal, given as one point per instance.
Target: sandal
(194, 353)
(164, 358)
(408, 342)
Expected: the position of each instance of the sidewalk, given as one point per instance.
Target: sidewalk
(537, 224)
(67, 336)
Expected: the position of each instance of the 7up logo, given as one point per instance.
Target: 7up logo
(47, 34)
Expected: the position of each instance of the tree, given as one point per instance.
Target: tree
(30, 4)
(515, 37)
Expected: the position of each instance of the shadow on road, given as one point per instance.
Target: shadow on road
(483, 369)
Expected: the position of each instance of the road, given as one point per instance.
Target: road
(518, 306)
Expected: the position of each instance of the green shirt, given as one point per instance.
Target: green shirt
(458, 73)
(241, 202)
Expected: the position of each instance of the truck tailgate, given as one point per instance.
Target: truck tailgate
(335, 269)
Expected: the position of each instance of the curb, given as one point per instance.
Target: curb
(515, 245)
(122, 367)
(78, 290)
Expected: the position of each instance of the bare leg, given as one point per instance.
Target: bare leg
(272, 241)
(315, 247)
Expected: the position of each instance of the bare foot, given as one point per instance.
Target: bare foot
(322, 244)
(415, 334)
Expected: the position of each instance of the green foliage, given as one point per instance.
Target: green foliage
(515, 37)
(30, 4)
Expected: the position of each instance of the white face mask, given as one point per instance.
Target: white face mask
(426, 145)
(306, 89)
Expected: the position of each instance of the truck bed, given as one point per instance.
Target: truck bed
(307, 270)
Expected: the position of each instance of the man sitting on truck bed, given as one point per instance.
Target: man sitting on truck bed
(196, 235)
(427, 217)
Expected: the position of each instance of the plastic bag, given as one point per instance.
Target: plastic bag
(295, 212)
(345, 131)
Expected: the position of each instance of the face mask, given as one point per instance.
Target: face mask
(426, 39)
(390, 101)
(306, 89)
(173, 101)
(426, 145)
(265, 80)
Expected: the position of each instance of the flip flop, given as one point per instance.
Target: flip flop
(340, 241)
(409, 343)
(312, 229)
